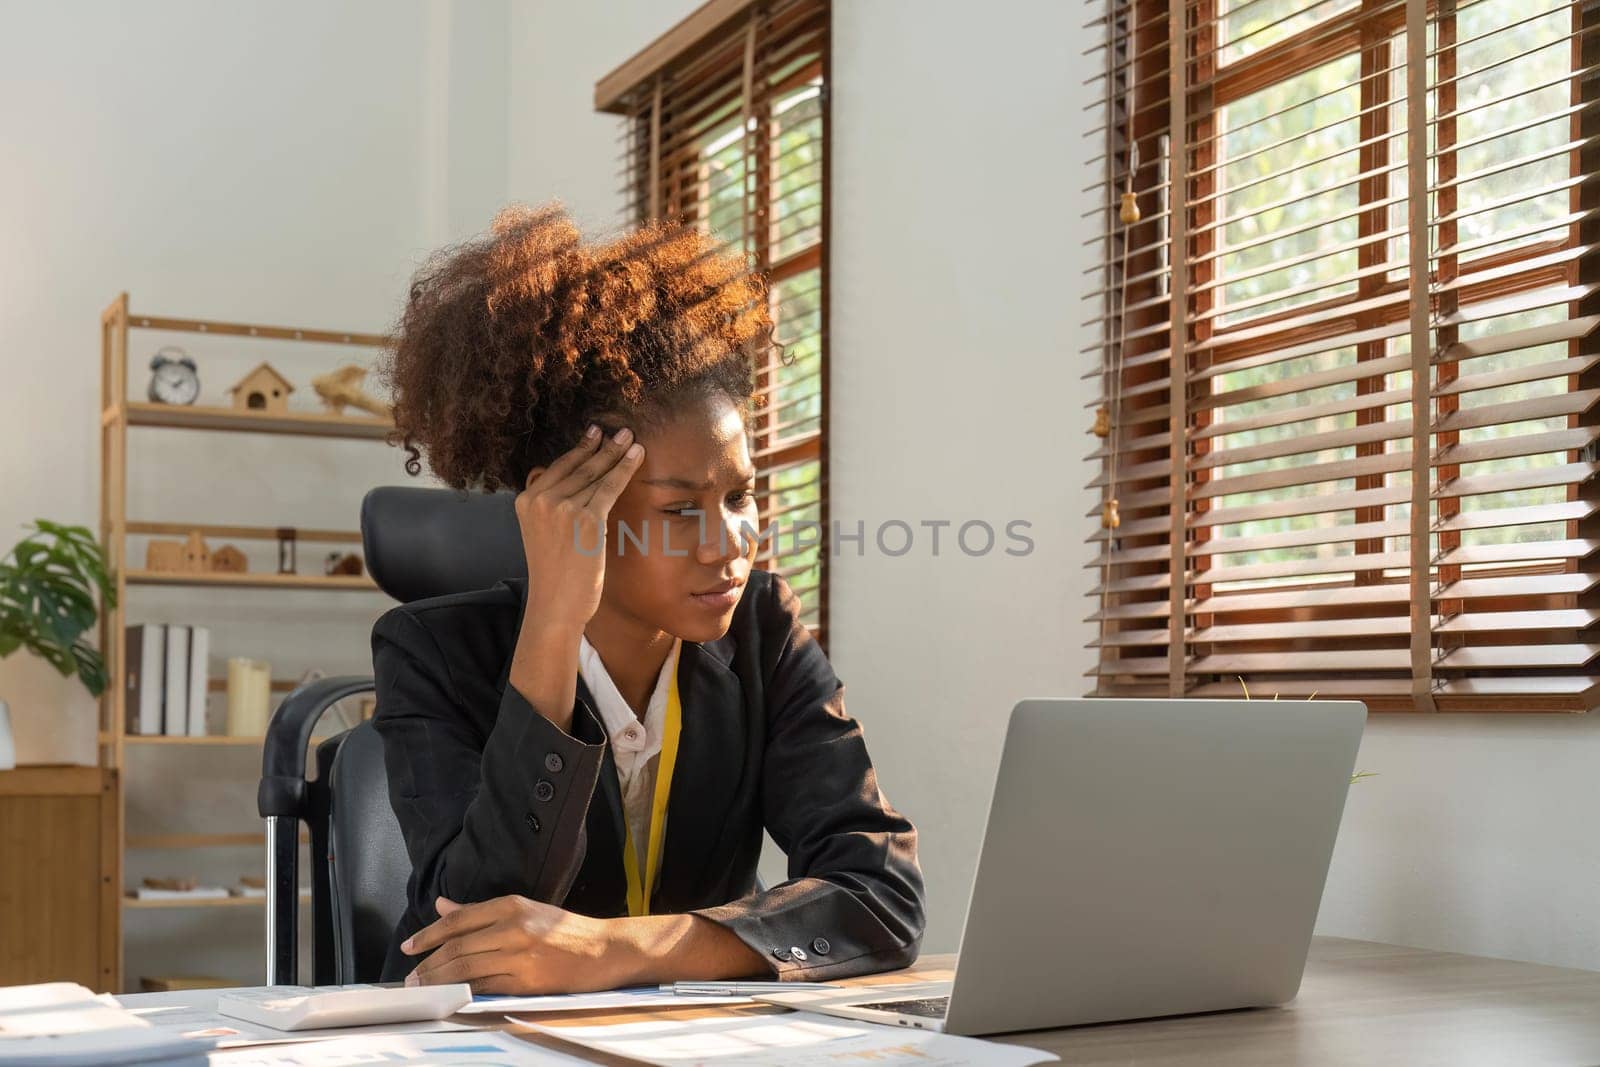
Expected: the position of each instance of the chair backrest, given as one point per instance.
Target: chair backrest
(419, 543)
(428, 542)
(367, 861)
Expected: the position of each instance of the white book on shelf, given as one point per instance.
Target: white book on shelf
(199, 649)
(176, 717)
(146, 652)
(199, 892)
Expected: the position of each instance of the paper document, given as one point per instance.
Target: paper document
(60, 1023)
(796, 1039)
(236, 1033)
(440, 1050)
(636, 997)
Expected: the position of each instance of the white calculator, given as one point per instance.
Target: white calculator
(299, 1007)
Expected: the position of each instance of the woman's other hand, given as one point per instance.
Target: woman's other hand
(511, 945)
(516, 945)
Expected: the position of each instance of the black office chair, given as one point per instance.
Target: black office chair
(419, 543)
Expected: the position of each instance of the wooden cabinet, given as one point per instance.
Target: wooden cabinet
(58, 892)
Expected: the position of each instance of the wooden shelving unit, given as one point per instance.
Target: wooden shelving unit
(204, 902)
(246, 581)
(209, 739)
(119, 413)
(195, 840)
(165, 841)
(227, 420)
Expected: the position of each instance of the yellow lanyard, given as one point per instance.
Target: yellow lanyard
(638, 898)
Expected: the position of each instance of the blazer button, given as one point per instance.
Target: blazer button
(798, 953)
(553, 763)
(820, 946)
(543, 790)
(533, 822)
(783, 954)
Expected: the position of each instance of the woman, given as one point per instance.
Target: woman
(583, 761)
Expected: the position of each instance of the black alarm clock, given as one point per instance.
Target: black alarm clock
(173, 379)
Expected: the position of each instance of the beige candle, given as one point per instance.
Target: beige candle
(249, 696)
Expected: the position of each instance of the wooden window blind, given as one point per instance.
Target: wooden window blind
(724, 124)
(1347, 352)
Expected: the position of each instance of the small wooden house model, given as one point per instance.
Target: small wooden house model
(165, 556)
(196, 555)
(262, 390)
(228, 560)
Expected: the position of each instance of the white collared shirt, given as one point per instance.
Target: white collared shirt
(635, 746)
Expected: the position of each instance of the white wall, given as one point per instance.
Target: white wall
(955, 393)
(271, 162)
(1474, 836)
(560, 147)
(263, 162)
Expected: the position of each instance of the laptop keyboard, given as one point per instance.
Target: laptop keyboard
(928, 1007)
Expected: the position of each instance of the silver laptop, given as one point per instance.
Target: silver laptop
(1142, 858)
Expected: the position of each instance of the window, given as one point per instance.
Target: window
(1286, 526)
(724, 122)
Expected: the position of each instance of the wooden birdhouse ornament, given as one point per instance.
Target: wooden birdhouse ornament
(228, 560)
(263, 391)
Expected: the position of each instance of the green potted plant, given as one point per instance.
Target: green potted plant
(47, 603)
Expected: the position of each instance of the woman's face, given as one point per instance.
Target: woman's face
(682, 528)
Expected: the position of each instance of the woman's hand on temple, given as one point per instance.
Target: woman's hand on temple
(562, 514)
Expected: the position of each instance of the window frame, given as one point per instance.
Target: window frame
(1370, 30)
(716, 56)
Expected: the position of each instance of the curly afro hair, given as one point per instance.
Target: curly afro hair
(512, 343)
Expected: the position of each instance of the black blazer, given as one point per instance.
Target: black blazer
(494, 799)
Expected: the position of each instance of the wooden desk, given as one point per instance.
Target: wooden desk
(1361, 1003)
(1375, 1005)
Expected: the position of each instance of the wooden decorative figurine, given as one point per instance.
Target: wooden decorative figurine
(343, 386)
(175, 884)
(196, 556)
(187, 556)
(286, 546)
(228, 560)
(340, 563)
(263, 390)
(164, 556)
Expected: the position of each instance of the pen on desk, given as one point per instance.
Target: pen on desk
(734, 989)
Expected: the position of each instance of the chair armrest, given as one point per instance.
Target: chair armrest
(283, 754)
